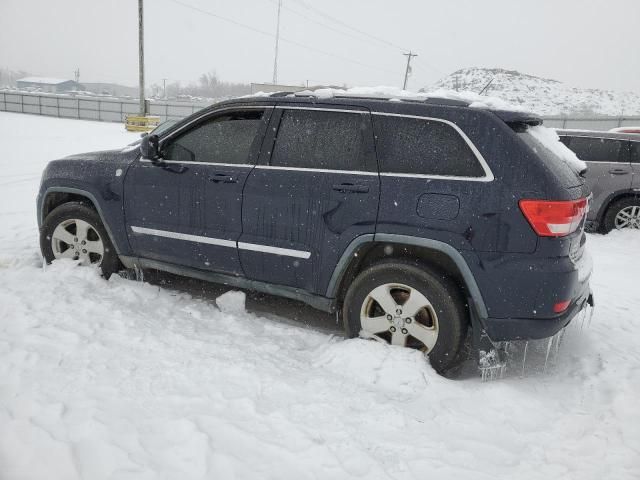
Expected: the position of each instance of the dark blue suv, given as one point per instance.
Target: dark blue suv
(417, 220)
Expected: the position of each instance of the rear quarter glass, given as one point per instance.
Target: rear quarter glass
(567, 177)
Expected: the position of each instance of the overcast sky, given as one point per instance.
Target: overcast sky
(585, 43)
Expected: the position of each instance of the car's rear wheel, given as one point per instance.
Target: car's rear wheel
(408, 305)
(74, 231)
(623, 214)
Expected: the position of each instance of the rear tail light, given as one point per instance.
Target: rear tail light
(554, 218)
(560, 307)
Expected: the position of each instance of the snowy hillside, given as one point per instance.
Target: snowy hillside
(540, 95)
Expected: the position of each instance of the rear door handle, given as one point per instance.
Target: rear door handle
(351, 188)
(222, 178)
(619, 171)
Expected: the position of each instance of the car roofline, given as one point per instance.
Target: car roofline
(375, 102)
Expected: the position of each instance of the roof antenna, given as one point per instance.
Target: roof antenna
(486, 86)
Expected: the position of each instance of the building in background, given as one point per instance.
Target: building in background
(50, 85)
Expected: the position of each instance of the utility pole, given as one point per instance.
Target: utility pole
(76, 73)
(408, 70)
(164, 88)
(275, 60)
(141, 57)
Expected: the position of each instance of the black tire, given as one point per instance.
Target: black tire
(609, 220)
(110, 262)
(443, 294)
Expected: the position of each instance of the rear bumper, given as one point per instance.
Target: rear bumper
(504, 329)
(521, 291)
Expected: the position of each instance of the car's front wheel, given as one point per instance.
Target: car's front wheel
(74, 231)
(408, 305)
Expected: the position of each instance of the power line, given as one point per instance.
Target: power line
(347, 26)
(317, 22)
(282, 39)
(361, 32)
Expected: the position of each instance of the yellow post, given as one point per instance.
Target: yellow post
(139, 123)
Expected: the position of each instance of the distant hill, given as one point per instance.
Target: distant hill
(540, 95)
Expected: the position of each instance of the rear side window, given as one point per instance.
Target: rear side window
(224, 139)
(635, 152)
(598, 149)
(321, 140)
(411, 145)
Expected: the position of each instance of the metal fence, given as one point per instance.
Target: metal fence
(601, 123)
(115, 110)
(103, 109)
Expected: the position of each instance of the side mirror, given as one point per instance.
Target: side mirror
(149, 148)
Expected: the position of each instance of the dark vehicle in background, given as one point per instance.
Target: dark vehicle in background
(613, 175)
(417, 221)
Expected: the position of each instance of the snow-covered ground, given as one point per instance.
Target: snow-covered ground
(128, 380)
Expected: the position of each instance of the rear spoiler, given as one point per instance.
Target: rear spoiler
(518, 121)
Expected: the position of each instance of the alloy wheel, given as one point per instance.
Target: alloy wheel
(400, 315)
(628, 217)
(77, 240)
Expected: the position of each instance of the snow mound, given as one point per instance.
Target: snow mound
(542, 96)
(231, 302)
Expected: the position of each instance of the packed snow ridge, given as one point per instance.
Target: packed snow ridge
(539, 95)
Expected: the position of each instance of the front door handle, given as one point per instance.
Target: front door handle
(351, 188)
(222, 178)
(618, 171)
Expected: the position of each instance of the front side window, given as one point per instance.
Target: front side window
(226, 138)
(598, 149)
(321, 140)
(427, 147)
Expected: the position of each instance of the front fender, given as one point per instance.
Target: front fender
(100, 182)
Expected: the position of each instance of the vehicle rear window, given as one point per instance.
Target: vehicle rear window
(428, 147)
(321, 140)
(598, 149)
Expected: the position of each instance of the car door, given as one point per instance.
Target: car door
(609, 169)
(635, 164)
(186, 209)
(315, 189)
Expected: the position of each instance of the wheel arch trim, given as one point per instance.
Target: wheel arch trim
(445, 248)
(77, 191)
